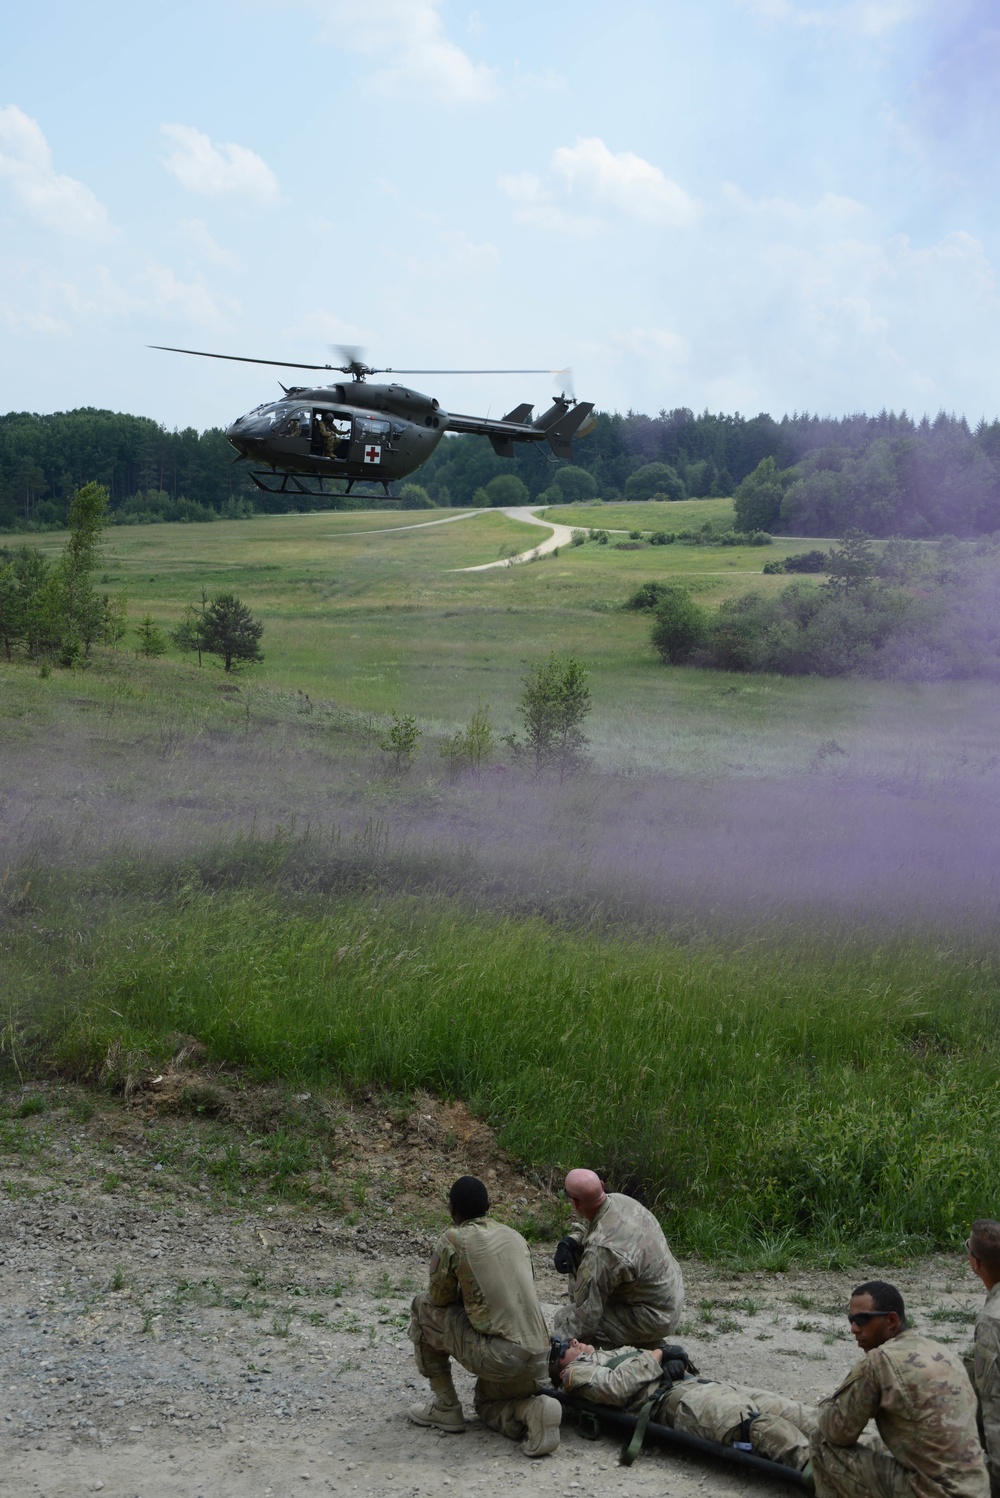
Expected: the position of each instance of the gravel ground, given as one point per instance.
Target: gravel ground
(162, 1342)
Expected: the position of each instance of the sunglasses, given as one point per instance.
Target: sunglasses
(862, 1318)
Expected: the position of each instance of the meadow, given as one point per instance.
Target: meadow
(744, 963)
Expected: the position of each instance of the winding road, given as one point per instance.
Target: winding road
(559, 535)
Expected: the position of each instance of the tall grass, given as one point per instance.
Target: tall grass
(782, 1095)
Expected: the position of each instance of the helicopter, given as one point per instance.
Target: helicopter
(354, 432)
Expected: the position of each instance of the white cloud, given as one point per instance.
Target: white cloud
(218, 170)
(536, 204)
(408, 37)
(195, 231)
(55, 202)
(625, 183)
(828, 211)
(621, 184)
(160, 291)
(864, 17)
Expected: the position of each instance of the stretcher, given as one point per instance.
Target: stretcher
(591, 1418)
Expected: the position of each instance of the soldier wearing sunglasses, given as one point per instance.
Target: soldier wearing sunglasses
(918, 1393)
(983, 1248)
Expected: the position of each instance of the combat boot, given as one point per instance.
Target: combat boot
(444, 1411)
(541, 1414)
(446, 1417)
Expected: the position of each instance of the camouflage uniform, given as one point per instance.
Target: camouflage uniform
(777, 1428)
(628, 1290)
(481, 1308)
(986, 1377)
(920, 1397)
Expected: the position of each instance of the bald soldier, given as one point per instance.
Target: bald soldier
(918, 1393)
(983, 1248)
(631, 1377)
(627, 1289)
(481, 1308)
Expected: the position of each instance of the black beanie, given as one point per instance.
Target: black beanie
(468, 1198)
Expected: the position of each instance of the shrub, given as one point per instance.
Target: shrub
(806, 561)
(757, 501)
(506, 489)
(663, 538)
(680, 625)
(654, 479)
(647, 596)
(401, 742)
(415, 497)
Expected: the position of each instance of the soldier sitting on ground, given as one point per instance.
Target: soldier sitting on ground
(481, 1308)
(919, 1395)
(983, 1248)
(627, 1288)
(632, 1377)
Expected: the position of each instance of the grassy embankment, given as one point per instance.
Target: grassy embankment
(775, 1090)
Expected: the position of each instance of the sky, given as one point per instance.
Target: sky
(732, 205)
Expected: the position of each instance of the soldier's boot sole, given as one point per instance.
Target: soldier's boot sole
(446, 1417)
(541, 1414)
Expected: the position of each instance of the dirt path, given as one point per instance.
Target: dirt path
(559, 535)
(159, 1343)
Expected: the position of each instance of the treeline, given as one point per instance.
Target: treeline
(149, 473)
(803, 475)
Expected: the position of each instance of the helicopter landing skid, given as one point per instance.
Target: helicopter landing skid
(311, 484)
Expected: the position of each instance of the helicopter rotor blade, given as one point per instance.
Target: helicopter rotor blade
(354, 362)
(243, 358)
(391, 370)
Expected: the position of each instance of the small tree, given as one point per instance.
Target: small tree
(851, 564)
(654, 478)
(574, 484)
(506, 489)
(115, 617)
(401, 742)
(472, 747)
(680, 625)
(228, 629)
(152, 641)
(81, 610)
(554, 703)
(757, 501)
(415, 497)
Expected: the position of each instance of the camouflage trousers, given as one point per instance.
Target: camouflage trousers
(623, 1325)
(717, 1412)
(505, 1373)
(857, 1471)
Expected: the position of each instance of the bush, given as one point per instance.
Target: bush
(757, 501)
(657, 480)
(573, 485)
(770, 568)
(648, 596)
(807, 561)
(415, 497)
(663, 538)
(506, 489)
(680, 627)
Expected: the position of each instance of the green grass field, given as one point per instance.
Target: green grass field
(733, 965)
(681, 514)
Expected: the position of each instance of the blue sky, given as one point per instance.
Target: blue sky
(734, 204)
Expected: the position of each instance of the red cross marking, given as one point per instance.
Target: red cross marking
(371, 454)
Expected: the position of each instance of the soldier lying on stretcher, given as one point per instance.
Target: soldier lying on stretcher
(629, 1377)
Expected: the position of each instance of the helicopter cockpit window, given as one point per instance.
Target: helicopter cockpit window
(297, 424)
(369, 430)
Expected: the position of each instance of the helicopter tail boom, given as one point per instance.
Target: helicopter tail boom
(557, 425)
